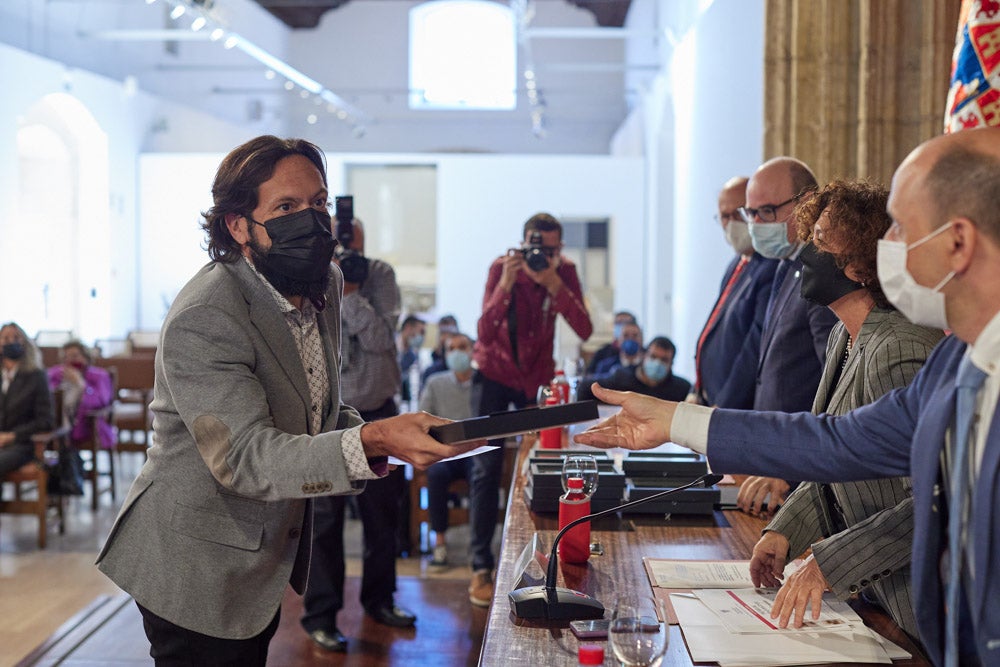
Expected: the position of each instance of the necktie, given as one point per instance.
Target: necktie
(968, 382)
(719, 305)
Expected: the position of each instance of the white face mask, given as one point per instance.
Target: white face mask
(921, 305)
(738, 236)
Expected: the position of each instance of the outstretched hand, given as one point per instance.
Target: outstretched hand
(643, 422)
(406, 437)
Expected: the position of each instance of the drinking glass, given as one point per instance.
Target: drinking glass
(637, 636)
(580, 465)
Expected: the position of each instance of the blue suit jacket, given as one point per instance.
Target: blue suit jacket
(729, 356)
(903, 433)
(792, 347)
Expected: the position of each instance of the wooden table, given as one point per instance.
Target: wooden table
(725, 535)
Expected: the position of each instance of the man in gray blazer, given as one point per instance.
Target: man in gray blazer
(248, 423)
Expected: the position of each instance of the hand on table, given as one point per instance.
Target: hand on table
(803, 589)
(767, 566)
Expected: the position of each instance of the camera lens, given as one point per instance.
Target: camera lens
(536, 259)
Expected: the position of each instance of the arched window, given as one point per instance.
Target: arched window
(463, 55)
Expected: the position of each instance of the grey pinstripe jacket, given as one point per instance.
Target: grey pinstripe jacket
(874, 551)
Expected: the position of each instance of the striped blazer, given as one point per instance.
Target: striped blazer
(874, 550)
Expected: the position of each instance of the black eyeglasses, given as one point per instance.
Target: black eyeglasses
(767, 212)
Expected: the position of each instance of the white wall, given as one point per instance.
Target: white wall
(483, 202)
(699, 122)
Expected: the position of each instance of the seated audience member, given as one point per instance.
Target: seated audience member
(860, 532)
(653, 377)
(728, 348)
(447, 326)
(408, 343)
(25, 401)
(622, 317)
(448, 395)
(629, 351)
(85, 388)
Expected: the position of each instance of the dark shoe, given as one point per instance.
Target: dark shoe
(394, 616)
(330, 640)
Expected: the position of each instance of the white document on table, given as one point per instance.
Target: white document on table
(748, 611)
(709, 641)
(700, 573)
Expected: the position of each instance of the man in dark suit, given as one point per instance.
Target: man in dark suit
(793, 343)
(729, 345)
(938, 265)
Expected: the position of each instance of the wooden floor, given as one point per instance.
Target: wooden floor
(58, 594)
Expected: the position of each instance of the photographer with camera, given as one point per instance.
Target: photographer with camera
(369, 379)
(525, 290)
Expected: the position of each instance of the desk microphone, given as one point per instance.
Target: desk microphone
(564, 604)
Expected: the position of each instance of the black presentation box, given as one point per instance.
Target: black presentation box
(549, 475)
(542, 500)
(515, 422)
(695, 500)
(664, 464)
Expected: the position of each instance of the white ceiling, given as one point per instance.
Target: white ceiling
(358, 52)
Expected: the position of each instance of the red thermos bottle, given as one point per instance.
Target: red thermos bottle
(575, 544)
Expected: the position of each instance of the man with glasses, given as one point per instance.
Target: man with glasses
(729, 345)
(793, 343)
(514, 357)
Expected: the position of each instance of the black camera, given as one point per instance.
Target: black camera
(534, 253)
(353, 264)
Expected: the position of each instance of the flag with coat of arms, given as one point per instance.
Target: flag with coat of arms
(974, 95)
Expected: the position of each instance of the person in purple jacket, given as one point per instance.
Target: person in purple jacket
(85, 388)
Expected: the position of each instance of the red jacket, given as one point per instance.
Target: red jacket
(536, 326)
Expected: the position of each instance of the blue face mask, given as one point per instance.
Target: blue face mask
(655, 369)
(458, 360)
(630, 348)
(770, 239)
(416, 341)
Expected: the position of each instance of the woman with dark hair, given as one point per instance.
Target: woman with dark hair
(25, 402)
(860, 532)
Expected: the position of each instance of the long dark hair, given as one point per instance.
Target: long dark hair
(238, 180)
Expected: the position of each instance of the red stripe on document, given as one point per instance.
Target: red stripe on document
(750, 609)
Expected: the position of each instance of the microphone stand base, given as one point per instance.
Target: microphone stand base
(554, 604)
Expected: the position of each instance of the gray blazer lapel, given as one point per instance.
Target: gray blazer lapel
(270, 322)
(835, 356)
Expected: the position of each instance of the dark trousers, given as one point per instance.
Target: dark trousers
(174, 646)
(15, 455)
(484, 484)
(439, 476)
(378, 506)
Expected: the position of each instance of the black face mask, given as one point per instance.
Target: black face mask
(298, 261)
(13, 351)
(823, 282)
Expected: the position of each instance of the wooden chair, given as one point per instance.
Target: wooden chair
(419, 514)
(143, 342)
(130, 416)
(30, 481)
(458, 514)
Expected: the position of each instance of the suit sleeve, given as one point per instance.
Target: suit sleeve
(739, 388)
(208, 361)
(800, 519)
